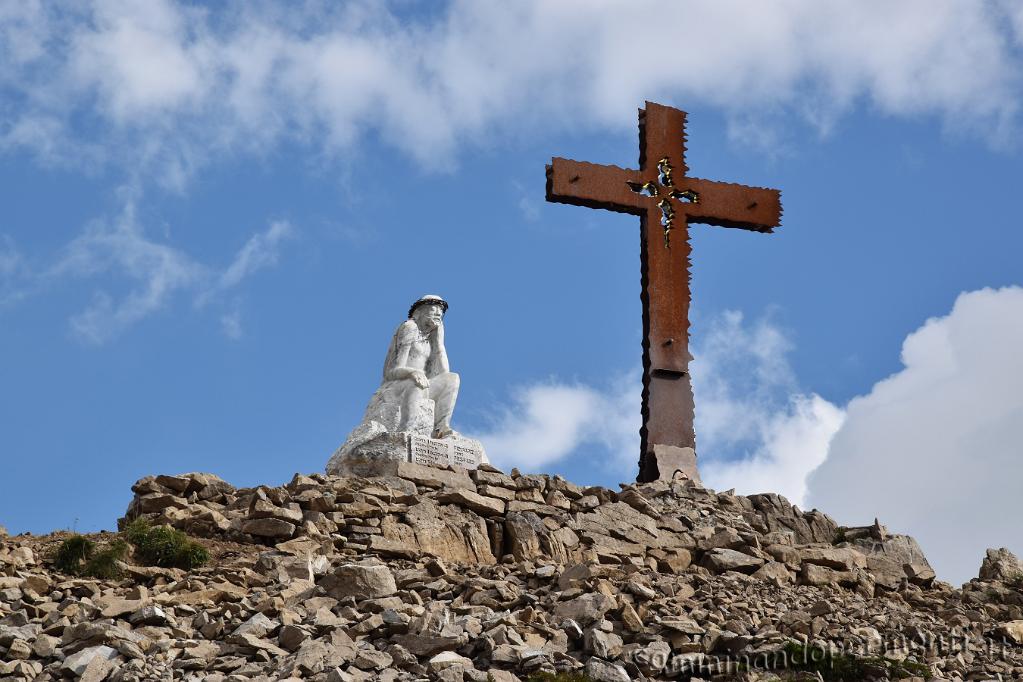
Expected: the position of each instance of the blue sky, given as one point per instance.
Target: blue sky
(213, 219)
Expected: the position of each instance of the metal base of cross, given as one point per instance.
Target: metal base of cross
(668, 463)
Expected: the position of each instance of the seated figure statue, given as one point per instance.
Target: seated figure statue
(416, 371)
(417, 395)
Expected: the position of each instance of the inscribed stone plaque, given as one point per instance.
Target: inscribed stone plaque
(466, 453)
(427, 451)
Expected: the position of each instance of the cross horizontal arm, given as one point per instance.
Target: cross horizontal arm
(728, 205)
(593, 185)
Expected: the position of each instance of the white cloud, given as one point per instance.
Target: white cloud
(742, 373)
(756, 432)
(23, 28)
(12, 271)
(530, 209)
(156, 270)
(934, 450)
(10, 257)
(548, 421)
(231, 325)
(140, 59)
(790, 443)
(261, 251)
(1014, 11)
(170, 87)
(155, 273)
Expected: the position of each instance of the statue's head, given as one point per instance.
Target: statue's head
(428, 311)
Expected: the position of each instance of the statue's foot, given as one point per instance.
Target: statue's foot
(442, 432)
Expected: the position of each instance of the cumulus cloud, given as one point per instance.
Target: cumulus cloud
(790, 443)
(757, 432)
(741, 370)
(171, 86)
(548, 421)
(934, 450)
(155, 272)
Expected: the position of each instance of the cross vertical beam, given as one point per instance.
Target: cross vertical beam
(666, 201)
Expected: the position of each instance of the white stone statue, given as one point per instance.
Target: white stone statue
(416, 397)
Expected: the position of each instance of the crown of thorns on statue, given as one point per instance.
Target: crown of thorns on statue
(429, 300)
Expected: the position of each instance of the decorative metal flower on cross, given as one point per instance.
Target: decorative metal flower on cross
(667, 190)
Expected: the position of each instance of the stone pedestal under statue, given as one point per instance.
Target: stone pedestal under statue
(373, 451)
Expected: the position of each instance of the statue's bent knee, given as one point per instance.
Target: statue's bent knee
(444, 382)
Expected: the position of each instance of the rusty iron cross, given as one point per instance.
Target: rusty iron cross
(667, 201)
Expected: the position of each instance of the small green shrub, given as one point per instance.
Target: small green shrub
(105, 563)
(903, 669)
(193, 555)
(164, 546)
(78, 555)
(73, 553)
(844, 668)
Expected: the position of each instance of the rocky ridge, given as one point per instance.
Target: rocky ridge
(455, 575)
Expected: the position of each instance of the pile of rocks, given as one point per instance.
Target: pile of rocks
(455, 575)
